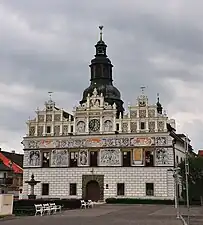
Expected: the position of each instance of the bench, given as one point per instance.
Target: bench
(88, 204)
(47, 208)
(83, 204)
(38, 209)
(54, 207)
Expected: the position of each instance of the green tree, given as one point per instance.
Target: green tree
(195, 179)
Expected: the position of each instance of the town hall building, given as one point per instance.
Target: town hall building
(99, 150)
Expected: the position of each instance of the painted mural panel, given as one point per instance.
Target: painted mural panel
(137, 156)
(59, 158)
(34, 159)
(164, 156)
(83, 157)
(110, 157)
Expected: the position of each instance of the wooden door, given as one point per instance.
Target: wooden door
(92, 191)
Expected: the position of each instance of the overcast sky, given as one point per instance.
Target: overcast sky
(47, 45)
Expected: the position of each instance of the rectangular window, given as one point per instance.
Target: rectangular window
(93, 158)
(120, 189)
(149, 158)
(45, 189)
(127, 158)
(71, 129)
(48, 129)
(149, 189)
(177, 160)
(142, 125)
(73, 189)
(117, 127)
(45, 159)
(73, 159)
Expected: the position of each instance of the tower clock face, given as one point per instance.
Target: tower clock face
(94, 125)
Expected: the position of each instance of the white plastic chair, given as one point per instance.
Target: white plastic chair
(83, 204)
(38, 209)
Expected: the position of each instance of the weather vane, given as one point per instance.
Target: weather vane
(101, 28)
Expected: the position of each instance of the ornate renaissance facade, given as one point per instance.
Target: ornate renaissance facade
(99, 151)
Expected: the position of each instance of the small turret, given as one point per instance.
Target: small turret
(159, 106)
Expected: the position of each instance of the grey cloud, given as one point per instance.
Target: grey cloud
(57, 54)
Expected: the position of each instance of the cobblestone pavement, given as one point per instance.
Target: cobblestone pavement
(196, 215)
(106, 215)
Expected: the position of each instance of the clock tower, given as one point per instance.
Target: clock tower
(101, 77)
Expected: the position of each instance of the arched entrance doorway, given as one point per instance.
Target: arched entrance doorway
(93, 190)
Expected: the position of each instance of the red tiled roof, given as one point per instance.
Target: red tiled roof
(10, 163)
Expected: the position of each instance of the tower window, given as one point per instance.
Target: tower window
(117, 127)
(71, 129)
(48, 129)
(142, 125)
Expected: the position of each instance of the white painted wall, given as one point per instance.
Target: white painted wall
(133, 177)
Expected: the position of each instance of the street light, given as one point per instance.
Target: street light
(175, 176)
(186, 179)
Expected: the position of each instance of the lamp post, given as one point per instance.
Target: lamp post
(175, 176)
(186, 179)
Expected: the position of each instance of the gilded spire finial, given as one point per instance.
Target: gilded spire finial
(158, 97)
(142, 89)
(101, 28)
(50, 95)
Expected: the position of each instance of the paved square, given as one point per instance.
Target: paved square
(106, 215)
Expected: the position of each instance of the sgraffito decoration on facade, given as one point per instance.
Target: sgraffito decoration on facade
(34, 159)
(83, 157)
(96, 142)
(26, 158)
(59, 158)
(163, 156)
(137, 156)
(160, 141)
(110, 157)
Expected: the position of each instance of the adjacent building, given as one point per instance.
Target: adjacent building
(99, 150)
(11, 173)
